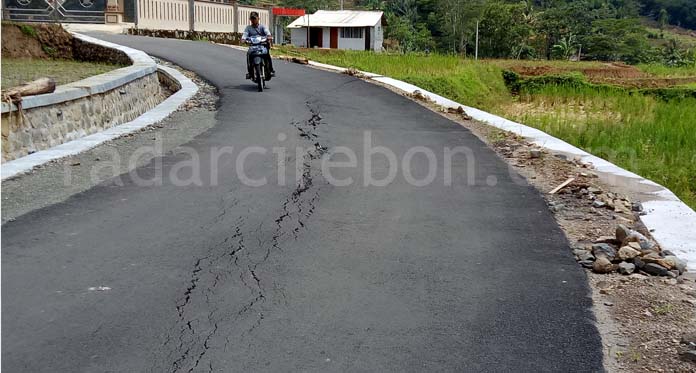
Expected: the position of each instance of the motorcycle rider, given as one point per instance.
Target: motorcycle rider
(255, 29)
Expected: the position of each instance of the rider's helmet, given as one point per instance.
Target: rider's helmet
(254, 15)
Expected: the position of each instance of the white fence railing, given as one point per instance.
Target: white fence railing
(214, 17)
(163, 14)
(243, 17)
(208, 16)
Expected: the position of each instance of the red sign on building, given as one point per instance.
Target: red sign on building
(288, 12)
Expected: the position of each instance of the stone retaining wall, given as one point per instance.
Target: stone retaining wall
(43, 127)
(87, 106)
(233, 38)
(84, 51)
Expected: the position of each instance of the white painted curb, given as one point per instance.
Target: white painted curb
(27, 163)
(671, 222)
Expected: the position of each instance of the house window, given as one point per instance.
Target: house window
(351, 32)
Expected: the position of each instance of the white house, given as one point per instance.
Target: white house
(339, 29)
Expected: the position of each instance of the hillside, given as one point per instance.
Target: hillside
(602, 30)
(661, 38)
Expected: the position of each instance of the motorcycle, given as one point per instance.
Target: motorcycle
(257, 54)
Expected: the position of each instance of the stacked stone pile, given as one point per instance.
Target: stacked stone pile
(629, 252)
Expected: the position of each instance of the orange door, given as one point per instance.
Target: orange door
(334, 38)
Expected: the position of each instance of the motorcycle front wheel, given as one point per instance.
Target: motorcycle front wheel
(259, 77)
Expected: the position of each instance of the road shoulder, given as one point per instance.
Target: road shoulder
(643, 320)
(56, 181)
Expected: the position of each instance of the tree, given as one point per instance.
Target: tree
(564, 20)
(663, 18)
(407, 9)
(503, 30)
(457, 23)
(410, 37)
(371, 4)
(680, 12)
(674, 54)
(565, 48)
(311, 6)
(618, 39)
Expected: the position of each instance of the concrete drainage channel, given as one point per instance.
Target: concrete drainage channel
(142, 66)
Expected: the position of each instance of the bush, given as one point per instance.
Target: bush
(28, 30)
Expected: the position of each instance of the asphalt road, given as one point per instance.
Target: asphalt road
(473, 276)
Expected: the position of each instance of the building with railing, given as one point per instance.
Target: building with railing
(209, 16)
(191, 15)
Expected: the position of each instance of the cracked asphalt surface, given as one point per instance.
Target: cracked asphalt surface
(297, 276)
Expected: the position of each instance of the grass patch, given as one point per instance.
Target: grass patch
(663, 309)
(660, 70)
(16, 71)
(51, 52)
(28, 30)
(660, 38)
(478, 84)
(559, 64)
(642, 133)
(652, 135)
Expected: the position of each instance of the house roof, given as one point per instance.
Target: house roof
(338, 18)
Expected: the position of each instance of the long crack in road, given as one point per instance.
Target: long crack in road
(232, 258)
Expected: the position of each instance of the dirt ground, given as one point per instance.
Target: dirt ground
(613, 73)
(19, 45)
(605, 70)
(47, 41)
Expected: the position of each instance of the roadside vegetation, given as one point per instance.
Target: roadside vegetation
(631, 31)
(16, 71)
(650, 131)
(648, 135)
(32, 51)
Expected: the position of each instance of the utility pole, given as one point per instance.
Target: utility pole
(191, 10)
(235, 17)
(477, 39)
(341, 4)
(135, 16)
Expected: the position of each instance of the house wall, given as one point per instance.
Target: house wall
(298, 37)
(351, 43)
(326, 36)
(377, 38)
